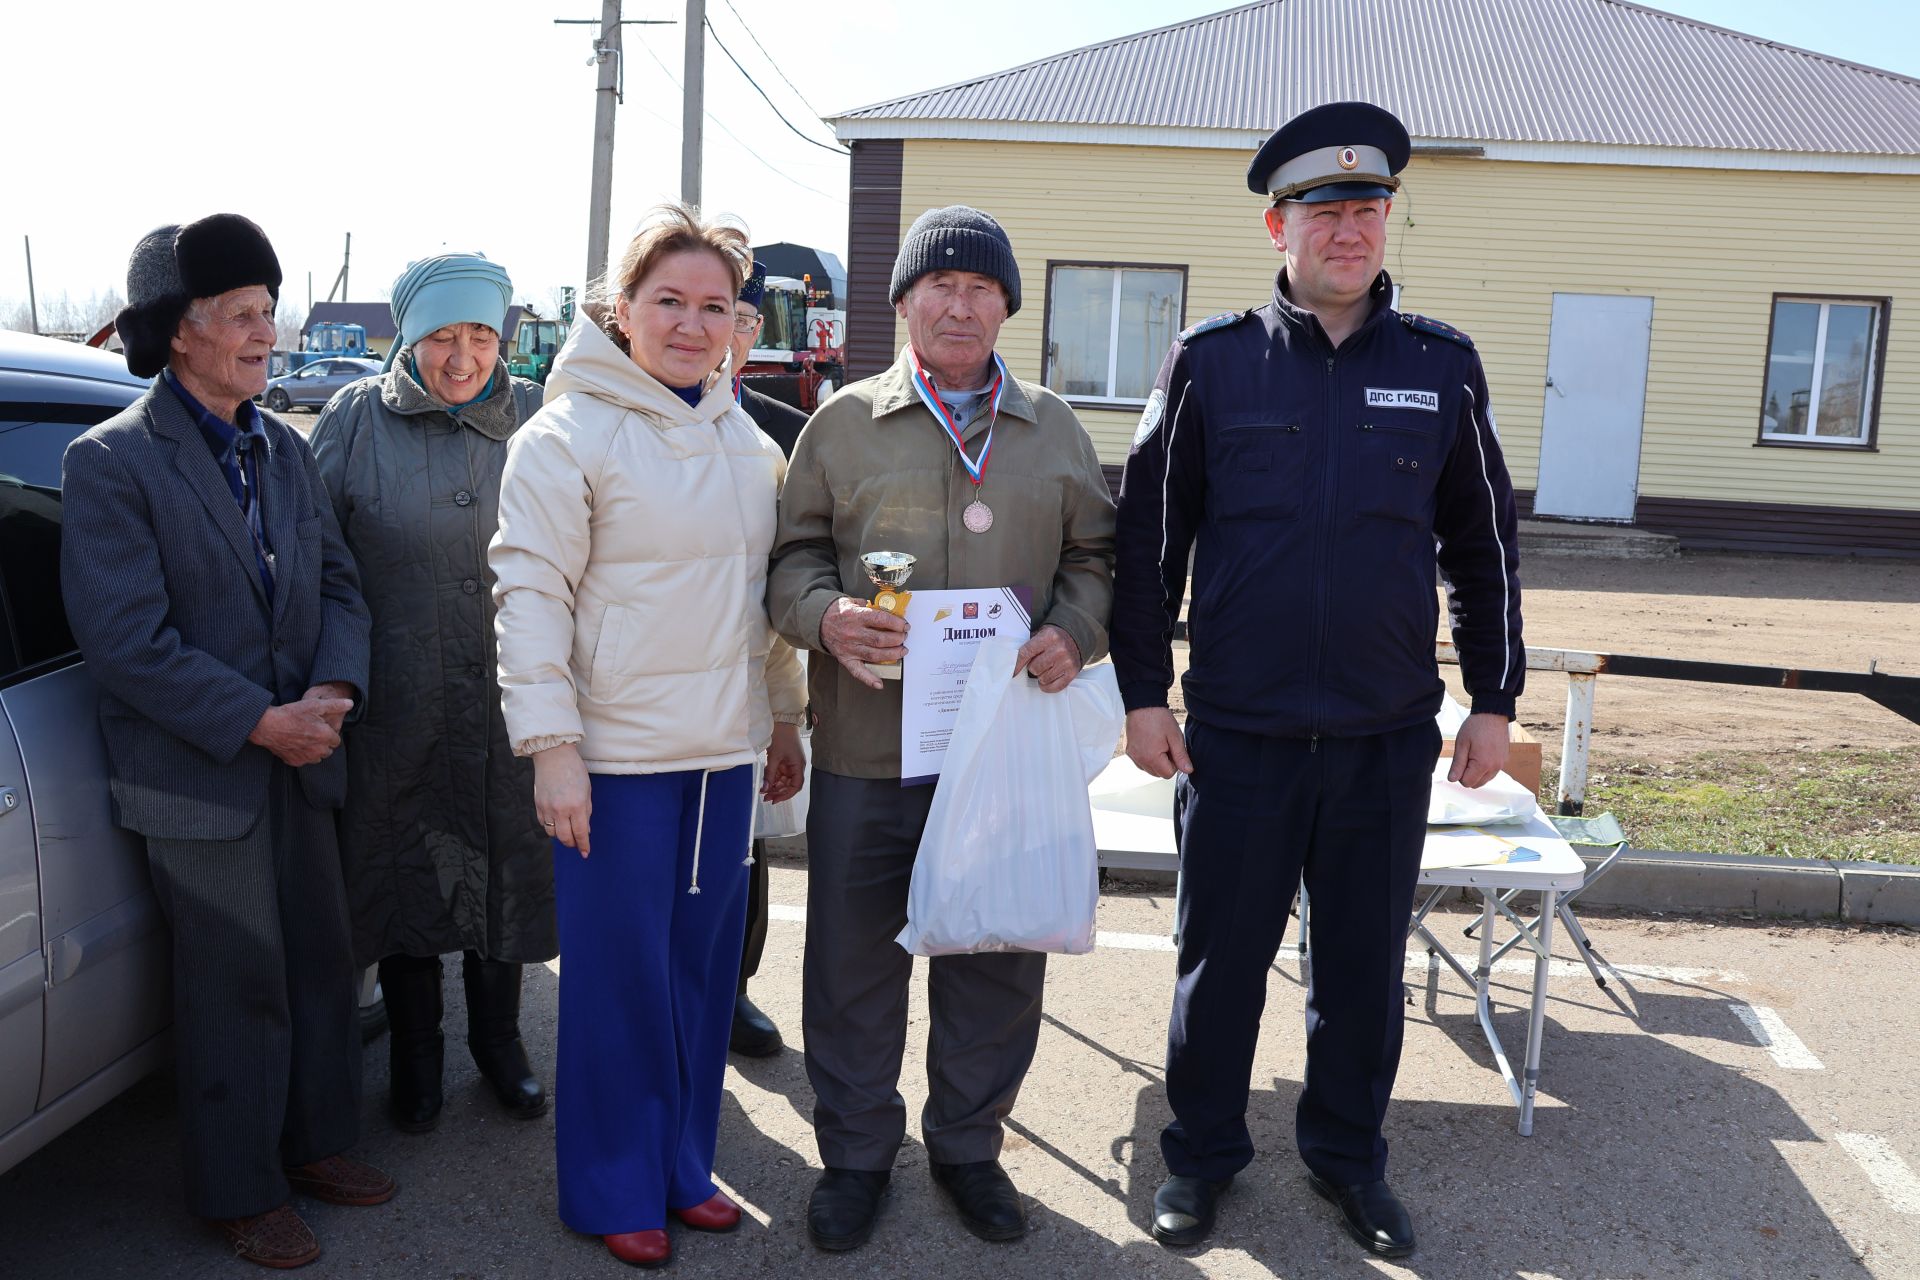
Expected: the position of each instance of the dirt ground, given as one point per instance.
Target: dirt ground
(1799, 611)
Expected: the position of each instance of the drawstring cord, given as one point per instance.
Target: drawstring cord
(699, 829)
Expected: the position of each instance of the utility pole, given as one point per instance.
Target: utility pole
(609, 92)
(606, 96)
(693, 111)
(340, 281)
(33, 307)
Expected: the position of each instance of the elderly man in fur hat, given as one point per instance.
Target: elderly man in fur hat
(220, 615)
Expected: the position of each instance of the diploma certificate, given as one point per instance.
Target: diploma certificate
(945, 628)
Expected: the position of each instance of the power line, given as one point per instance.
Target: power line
(719, 124)
(770, 60)
(839, 151)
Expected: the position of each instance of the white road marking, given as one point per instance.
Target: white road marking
(1884, 1167)
(748, 1207)
(1133, 941)
(1776, 1037)
(1416, 959)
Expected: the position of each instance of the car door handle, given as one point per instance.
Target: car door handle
(8, 801)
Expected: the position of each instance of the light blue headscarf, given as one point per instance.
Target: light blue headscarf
(449, 288)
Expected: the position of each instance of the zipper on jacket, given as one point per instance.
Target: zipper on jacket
(1330, 473)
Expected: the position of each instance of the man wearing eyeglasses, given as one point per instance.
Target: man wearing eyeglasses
(754, 1033)
(781, 422)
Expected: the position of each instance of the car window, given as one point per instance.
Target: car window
(32, 440)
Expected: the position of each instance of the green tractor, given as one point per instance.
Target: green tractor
(538, 341)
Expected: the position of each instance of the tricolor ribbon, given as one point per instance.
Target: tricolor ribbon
(930, 396)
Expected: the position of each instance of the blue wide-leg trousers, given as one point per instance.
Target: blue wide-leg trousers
(647, 978)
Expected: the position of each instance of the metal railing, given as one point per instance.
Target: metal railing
(1899, 694)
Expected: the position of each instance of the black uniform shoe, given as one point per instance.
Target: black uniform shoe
(1373, 1214)
(844, 1204)
(988, 1202)
(754, 1035)
(493, 1035)
(1183, 1209)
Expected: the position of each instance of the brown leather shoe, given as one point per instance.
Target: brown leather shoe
(342, 1180)
(276, 1238)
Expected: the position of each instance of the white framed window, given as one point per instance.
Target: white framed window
(1109, 326)
(1824, 361)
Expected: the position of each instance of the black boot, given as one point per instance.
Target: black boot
(411, 987)
(493, 1035)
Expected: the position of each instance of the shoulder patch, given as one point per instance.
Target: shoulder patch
(1439, 329)
(1226, 319)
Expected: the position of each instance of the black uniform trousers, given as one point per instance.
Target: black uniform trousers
(266, 1018)
(1256, 817)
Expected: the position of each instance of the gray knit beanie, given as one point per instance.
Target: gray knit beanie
(956, 238)
(173, 265)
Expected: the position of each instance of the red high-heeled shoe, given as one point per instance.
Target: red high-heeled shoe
(641, 1248)
(718, 1213)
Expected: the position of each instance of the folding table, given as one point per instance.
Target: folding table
(1450, 861)
(1133, 829)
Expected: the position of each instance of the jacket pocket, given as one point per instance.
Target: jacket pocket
(1258, 473)
(604, 671)
(1396, 470)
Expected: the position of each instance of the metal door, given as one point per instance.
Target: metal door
(23, 966)
(1595, 400)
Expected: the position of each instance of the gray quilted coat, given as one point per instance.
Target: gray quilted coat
(440, 843)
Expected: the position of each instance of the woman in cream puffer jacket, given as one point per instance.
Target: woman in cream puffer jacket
(639, 670)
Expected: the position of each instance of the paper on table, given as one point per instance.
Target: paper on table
(1500, 800)
(1472, 847)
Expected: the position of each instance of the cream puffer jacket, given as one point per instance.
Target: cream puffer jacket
(631, 567)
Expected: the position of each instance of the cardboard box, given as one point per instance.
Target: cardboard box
(1523, 756)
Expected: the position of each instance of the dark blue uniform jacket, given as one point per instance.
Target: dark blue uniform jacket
(1315, 489)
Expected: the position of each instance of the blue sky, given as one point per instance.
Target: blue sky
(436, 126)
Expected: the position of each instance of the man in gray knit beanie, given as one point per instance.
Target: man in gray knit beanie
(987, 481)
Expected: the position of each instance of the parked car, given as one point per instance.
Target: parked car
(85, 959)
(311, 386)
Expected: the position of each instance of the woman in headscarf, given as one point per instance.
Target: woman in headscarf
(441, 846)
(641, 674)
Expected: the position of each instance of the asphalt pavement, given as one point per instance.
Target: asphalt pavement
(1746, 1106)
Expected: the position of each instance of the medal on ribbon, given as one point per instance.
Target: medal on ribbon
(978, 516)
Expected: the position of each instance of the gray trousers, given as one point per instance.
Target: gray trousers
(862, 835)
(266, 1018)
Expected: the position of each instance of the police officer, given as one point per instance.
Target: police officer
(1312, 454)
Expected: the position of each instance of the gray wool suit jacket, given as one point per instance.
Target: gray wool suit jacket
(163, 592)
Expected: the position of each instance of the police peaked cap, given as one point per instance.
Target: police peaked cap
(173, 265)
(1338, 151)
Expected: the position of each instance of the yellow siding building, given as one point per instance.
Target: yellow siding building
(1487, 230)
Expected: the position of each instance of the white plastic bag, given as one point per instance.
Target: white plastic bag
(1007, 861)
(789, 817)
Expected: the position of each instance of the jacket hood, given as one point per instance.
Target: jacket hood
(590, 364)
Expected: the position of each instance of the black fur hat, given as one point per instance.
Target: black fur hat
(173, 265)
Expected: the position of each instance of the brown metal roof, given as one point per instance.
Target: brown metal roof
(1548, 71)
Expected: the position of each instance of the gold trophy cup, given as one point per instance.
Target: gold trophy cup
(889, 571)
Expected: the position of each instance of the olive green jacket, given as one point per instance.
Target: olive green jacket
(875, 471)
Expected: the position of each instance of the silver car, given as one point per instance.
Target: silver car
(313, 385)
(85, 956)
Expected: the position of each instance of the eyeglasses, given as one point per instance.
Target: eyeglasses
(745, 324)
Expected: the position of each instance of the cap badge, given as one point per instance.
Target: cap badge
(1348, 158)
